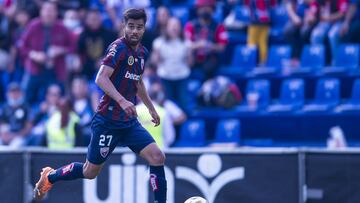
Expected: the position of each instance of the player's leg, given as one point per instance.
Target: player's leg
(142, 143)
(101, 146)
(156, 160)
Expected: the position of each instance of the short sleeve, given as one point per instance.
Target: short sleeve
(114, 54)
(343, 6)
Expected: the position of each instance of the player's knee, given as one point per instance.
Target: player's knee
(157, 158)
(90, 171)
(90, 174)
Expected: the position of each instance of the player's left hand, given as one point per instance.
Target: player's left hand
(155, 117)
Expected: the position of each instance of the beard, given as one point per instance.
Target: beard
(133, 40)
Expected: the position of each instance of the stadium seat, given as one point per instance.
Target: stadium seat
(243, 61)
(227, 132)
(346, 60)
(279, 19)
(192, 134)
(353, 104)
(312, 59)
(327, 96)
(257, 96)
(291, 96)
(239, 36)
(277, 55)
(193, 87)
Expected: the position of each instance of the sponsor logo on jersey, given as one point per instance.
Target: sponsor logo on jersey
(132, 76)
(131, 60)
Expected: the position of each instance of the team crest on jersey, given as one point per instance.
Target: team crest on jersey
(104, 151)
(131, 60)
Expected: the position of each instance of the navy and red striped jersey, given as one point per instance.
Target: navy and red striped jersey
(128, 65)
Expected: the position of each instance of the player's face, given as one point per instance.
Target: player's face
(134, 30)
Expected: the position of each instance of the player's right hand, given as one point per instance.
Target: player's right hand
(128, 107)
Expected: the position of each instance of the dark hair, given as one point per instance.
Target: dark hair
(136, 14)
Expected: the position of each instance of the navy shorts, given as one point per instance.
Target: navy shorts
(104, 140)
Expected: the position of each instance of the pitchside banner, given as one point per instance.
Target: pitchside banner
(219, 177)
(333, 177)
(11, 177)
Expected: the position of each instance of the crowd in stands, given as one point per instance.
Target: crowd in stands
(50, 52)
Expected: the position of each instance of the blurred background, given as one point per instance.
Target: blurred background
(269, 85)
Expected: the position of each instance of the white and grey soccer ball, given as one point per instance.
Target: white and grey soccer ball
(196, 200)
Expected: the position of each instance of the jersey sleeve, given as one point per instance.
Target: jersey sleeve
(115, 53)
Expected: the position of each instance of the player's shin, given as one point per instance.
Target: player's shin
(70, 172)
(158, 183)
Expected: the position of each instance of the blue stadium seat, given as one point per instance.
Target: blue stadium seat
(327, 96)
(279, 19)
(243, 60)
(180, 12)
(291, 96)
(346, 60)
(259, 92)
(242, 15)
(227, 131)
(278, 54)
(312, 59)
(192, 134)
(353, 104)
(193, 87)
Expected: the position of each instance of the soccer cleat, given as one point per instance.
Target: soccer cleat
(43, 185)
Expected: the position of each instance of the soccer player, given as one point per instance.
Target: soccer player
(115, 120)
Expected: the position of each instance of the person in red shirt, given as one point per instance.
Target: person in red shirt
(43, 47)
(332, 14)
(207, 38)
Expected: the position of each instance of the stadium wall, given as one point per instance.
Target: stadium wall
(279, 175)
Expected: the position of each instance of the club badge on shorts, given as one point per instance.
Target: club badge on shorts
(104, 151)
(131, 60)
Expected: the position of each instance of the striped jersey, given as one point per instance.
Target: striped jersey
(128, 65)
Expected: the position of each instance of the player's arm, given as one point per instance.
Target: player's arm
(142, 93)
(104, 82)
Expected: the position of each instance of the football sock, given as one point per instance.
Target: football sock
(70, 172)
(158, 183)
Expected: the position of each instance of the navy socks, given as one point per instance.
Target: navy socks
(70, 172)
(158, 183)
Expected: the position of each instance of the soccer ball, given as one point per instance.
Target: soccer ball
(196, 200)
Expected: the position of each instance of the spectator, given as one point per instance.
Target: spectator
(44, 45)
(4, 50)
(16, 65)
(173, 57)
(116, 8)
(61, 126)
(303, 16)
(82, 107)
(350, 29)
(15, 119)
(43, 113)
(72, 22)
(93, 42)
(162, 17)
(207, 37)
(332, 14)
(164, 134)
(157, 94)
(258, 29)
